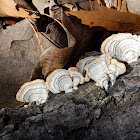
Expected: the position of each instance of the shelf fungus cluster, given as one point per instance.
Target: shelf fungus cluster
(102, 70)
(34, 91)
(82, 62)
(64, 80)
(76, 76)
(59, 80)
(122, 46)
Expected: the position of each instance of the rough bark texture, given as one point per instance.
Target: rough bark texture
(87, 114)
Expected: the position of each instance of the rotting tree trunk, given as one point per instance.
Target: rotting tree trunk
(87, 114)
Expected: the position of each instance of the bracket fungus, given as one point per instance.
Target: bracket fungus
(115, 69)
(83, 62)
(122, 46)
(34, 91)
(97, 71)
(77, 77)
(59, 80)
(104, 70)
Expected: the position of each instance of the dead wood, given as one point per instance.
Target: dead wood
(89, 113)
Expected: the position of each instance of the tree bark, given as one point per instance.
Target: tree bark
(89, 113)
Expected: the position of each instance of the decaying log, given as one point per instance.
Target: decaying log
(89, 113)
